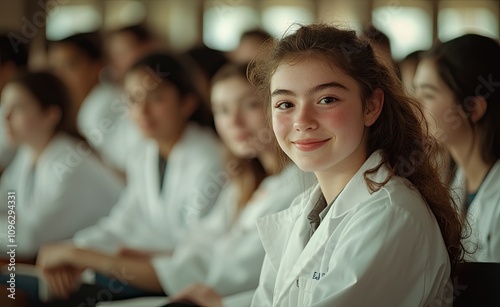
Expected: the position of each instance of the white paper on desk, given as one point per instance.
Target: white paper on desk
(152, 301)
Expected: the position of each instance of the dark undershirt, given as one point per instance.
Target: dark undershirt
(162, 166)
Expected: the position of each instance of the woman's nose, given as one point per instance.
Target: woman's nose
(305, 119)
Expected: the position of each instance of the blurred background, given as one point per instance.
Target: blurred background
(181, 24)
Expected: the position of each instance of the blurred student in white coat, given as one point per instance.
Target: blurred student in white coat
(224, 251)
(379, 228)
(103, 115)
(13, 58)
(458, 84)
(60, 186)
(174, 180)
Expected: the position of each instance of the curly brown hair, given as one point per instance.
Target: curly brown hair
(400, 132)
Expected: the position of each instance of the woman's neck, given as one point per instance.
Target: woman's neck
(39, 146)
(79, 99)
(469, 159)
(332, 181)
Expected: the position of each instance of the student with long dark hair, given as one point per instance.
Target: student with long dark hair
(458, 83)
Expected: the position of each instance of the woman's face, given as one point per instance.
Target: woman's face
(239, 117)
(318, 115)
(446, 119)
(26, 122)
(156, 107)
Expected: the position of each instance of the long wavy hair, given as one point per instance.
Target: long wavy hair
(400, 132)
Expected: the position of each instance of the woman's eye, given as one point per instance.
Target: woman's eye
(328, 100)
(424, 95)
(284, 105)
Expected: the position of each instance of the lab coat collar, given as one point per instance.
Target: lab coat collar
(177, 154)
(490, 185)
(356, 190)
(59, 142)
(275, 230)
(487, 189)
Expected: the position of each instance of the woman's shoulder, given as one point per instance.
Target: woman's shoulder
(200, 138)
(399, 197)
(490, 188)
(68, 159)
(200, 146)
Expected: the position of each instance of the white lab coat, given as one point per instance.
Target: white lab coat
(372, 249)
(104, 120)
(483, 215)
(224, 253)
(71, 191)
(149, 220)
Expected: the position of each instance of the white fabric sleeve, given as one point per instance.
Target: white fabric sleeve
(110, 233)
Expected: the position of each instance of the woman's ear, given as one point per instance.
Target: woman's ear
(373, 107)
(476, 106)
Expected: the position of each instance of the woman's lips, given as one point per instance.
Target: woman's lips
(242, 137)
(309, 144)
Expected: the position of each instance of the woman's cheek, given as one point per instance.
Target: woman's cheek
(281, 126)
(337, 119)
(24, 127)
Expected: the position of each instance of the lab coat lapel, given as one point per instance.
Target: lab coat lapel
(299, 235)
(274, 231)
(354, 193)
(43, 165)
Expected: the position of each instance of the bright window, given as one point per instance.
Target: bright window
(120, 13)
(64, 21)
(454, 22)
(277, 20)
(223, 25)
(408, 28)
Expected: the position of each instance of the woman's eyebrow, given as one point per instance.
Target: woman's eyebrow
(427, 86)
(312, 90)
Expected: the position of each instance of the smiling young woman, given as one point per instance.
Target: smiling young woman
(379, 228)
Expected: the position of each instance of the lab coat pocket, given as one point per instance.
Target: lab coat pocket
(305, 287)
